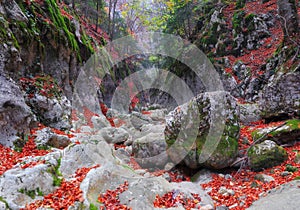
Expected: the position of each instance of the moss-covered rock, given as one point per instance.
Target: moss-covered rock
(265, 155)
(204, 131)
(288, 133)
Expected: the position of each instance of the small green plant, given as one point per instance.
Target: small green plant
(56, 174)
(43, 147)
(237, 20)
(240, 4)
(93, 207)
(290, 168)
(31, 193)
(5, 202)
(297, 178)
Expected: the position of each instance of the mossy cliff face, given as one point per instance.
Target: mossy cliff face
(37, 39)
(203, 147)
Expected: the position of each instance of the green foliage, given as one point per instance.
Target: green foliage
(93, 207)
(31, 193)
(290, 168)
(56, 174)
(297, 178)
(237, 20)
(240, 4)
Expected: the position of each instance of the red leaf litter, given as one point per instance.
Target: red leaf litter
(254, 59)
(173, 199)
(9, 157)
(65, 196)
(110, 198)
(246, 188)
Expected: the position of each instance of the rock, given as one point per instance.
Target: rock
(207, 207)
(3, 205)
(240, 70)
(138, 120)
(226, 192)
(169, 166)
(12, 10)
(141, 191)
(249, 113)
(187, 188)
(85, 155)
(297, 158)
(15, 184)
(46, 137)
(157, 114)
(281, 96)
(150, 150)
(188, 140)
(53, 112)
(288, 134)
(265, 155)
(167, 177)
(123, 155)
(202, 177)
(100, 122)
(15, 115)
(284, 197)
(285, 173)
(264, 178)
(114, 135)
(222, 208)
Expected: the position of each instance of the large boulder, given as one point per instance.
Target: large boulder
(85, 155)
(54, 112)
(19, 187)
(150, 150)
(204, 131)
(46, 137)
(15, 115)
(265, 155)
(114, 135)
(281, 96)
(249, 113)
(141, 191)
(283, 197)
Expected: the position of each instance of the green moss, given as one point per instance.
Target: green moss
(237, 20)
(5, 202)
(60, 22)
(297, 178)
(293, 125)
(291, 168)
(249, 21)
(266, 158)
(31, 193)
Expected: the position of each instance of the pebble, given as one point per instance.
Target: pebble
(207, 207)
(167, 177)
(285, 173)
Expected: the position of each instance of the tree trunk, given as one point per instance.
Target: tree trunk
(289, 17)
